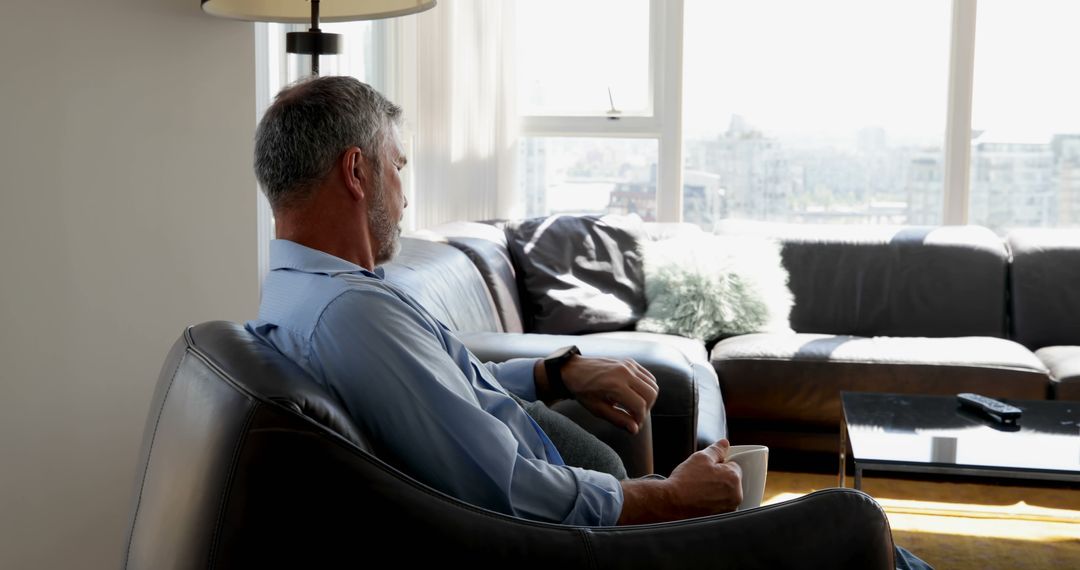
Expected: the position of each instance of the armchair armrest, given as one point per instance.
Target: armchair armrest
(832, 528)
(316, 516)
(674, 416)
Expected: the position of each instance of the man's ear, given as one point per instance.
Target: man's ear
(352, 172)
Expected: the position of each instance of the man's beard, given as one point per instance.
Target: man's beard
(384, 228)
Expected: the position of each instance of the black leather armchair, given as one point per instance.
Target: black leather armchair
(247, 463)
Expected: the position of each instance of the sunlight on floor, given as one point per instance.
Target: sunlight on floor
(969, 511)
(1038, 531)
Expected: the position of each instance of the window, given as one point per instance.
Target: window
(828, 111)
(587, 97)
(589, 176)
(1025, 155)
(837, 111)
(571, 53)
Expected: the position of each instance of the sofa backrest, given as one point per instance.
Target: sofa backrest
(1045, 274)
(485, 245)
(891, 281)
(446, 283)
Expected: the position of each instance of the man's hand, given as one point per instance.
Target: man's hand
(702, 485)
(619, 391)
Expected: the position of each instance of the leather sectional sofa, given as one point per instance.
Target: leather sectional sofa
(910, 310)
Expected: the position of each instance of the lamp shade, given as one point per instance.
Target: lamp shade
(299, 11)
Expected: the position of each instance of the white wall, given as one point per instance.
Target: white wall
(127, 211)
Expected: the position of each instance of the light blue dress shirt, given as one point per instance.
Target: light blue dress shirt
(442, 415)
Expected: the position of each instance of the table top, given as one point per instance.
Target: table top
(907, 429)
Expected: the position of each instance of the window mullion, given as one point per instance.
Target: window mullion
(958, 116)
(623, 127)
(666, 47)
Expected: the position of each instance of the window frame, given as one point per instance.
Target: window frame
(665, 123)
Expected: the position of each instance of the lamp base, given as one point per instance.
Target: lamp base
(314, 43)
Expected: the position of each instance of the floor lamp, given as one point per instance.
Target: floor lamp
(313, 42)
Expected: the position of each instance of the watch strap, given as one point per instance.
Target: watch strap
(553, 365)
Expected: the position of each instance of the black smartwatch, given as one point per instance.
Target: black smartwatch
(553, 364)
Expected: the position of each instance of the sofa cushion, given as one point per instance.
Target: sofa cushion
(798, 377)
(579, 274)
(1064, 365)
(446, 283)
(1045, 287)
(891, 281)
(693, 350)
(485, 245)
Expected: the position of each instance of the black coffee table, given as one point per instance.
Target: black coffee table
(932, 434)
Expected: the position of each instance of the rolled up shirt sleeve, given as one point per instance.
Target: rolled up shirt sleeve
(416, 394)
(516, 375)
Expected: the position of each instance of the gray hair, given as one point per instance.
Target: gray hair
(302, 135)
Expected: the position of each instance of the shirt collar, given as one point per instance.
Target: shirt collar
(285, 254)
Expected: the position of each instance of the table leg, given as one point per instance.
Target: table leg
(843, 454)
(858, 476)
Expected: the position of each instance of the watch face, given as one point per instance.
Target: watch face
(564, 353)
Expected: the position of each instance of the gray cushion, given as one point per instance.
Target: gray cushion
(1064, 365)
(891, 281)
(1045, 287)
(798, 377)
(579, 274)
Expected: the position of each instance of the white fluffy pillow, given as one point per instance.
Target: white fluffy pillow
(709, 286)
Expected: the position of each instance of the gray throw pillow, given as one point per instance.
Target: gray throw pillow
(579, 274)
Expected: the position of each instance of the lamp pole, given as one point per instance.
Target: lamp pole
(315, 29)
(313, 41)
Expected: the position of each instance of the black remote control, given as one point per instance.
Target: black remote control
(997, 410)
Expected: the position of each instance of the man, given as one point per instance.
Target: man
(328, 157)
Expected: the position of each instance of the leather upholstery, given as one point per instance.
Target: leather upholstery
(485, 245)
(879, 281)
(1045, 287)
(446, 283)
(692, 349)
(798, 377)
(578, 274)
(687, 412)
(1064, 365)
(244, 466)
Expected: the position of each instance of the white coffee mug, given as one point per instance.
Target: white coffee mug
(754, 462)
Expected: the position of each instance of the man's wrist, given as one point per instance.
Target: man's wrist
(647, 501)
(553, 366)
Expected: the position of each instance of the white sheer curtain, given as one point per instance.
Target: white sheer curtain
(465, 138)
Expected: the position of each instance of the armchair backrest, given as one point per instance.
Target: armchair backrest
(247, 462)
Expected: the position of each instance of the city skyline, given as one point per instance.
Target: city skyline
(743, 173)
